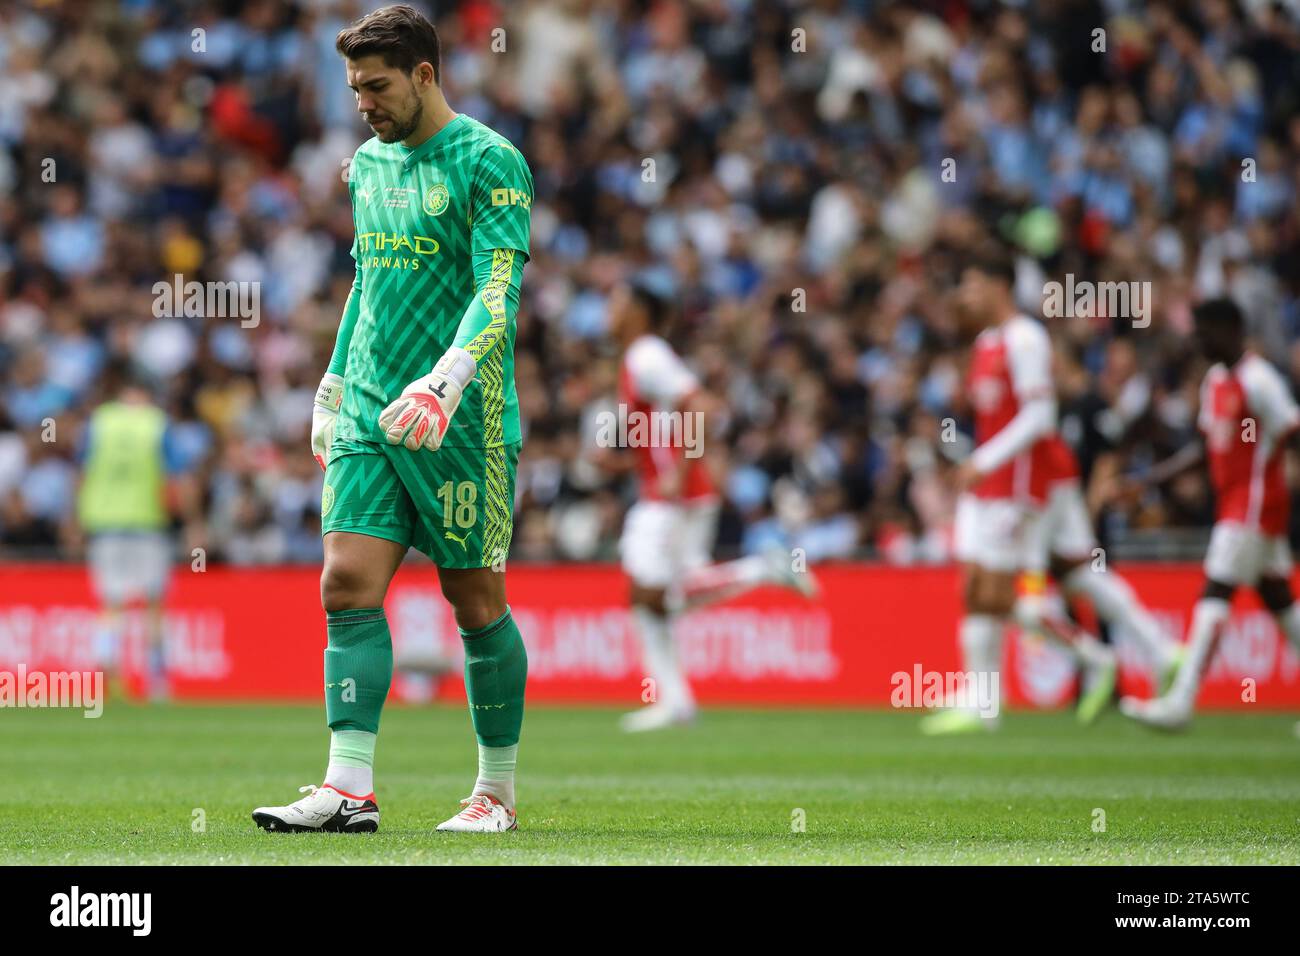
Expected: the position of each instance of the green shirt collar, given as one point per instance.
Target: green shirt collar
(412, 156)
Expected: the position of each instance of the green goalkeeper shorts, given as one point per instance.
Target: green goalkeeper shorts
(453, 504)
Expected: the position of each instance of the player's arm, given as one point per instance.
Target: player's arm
(704, 404)
(74, 535)
(1185, 459)
(1029, 353)
(660, 377)
(498, 276)
(343, 340)
(422, 414)
(329, 394)
(1269, 397)
(500, 199)
(183, 490)
(1267, 394)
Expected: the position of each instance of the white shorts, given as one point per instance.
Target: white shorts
(1239, 554)
(129, 564)
(1066, 525)
(1000, 534)
(663, 539)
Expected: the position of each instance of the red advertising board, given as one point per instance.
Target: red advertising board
(259, 634)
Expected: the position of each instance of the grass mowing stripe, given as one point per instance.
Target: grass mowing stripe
(124, 788)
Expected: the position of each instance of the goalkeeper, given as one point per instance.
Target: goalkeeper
(417, 422)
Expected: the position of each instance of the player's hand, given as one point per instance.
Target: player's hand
(671, 484)
(422, 413)
(329, 399)
(968, 475)
(1124, 490)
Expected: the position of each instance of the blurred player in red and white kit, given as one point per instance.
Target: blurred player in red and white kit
(668, 533)
(1247, 413)
(1004, 484)
(1071, 544)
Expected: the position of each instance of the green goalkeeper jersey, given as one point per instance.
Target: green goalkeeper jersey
(420, 216)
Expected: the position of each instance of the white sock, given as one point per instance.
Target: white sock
(981, 644)
(1207, 621)
(655, 631)
(352, 762)
(108, 642)
(358, 781)
(1117, 605)
(496, 773)
(720, 582)
(1289, 622)
(1045, 615)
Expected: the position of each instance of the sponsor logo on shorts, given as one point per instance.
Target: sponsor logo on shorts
(459, 541)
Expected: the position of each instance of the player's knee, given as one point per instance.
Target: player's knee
(477, 600)
(346, 585)
(476, 613)
(1061, 568)
(992, 594)
(1217, 590)
(1276, 594)
(971, 591)
(652, 599)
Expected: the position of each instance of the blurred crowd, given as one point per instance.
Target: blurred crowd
(819, 168)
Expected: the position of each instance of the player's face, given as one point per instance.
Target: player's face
(623, 312)
(1217, 342)
(974, 295)
(387, 98)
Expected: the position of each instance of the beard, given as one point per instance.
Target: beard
(401, 129)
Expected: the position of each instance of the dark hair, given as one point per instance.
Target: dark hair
(1220, 312)
(401, 35)
(657, 309)
(119, 374)
(995, 261)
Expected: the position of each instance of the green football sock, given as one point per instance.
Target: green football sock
(352, 762)
(496, 669)
(352, 748)
(496, 773)
(358, 668)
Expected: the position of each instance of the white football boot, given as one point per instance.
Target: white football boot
(949, 721)
(656, 716)
(323, 810)
(782, 573)
(1166, 713)
(1098, 687)
(482, 813)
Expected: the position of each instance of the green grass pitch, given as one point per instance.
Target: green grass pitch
(125, 788)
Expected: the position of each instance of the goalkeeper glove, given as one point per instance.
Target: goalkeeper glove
(422, 413)
(329, 399)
